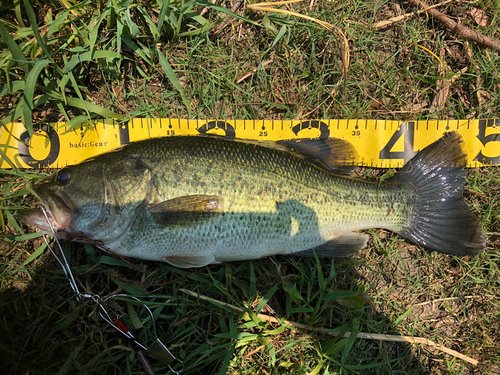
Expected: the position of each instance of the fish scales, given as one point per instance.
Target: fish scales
(192, 201)
(265, 192)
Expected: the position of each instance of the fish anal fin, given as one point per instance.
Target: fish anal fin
(333, 154)
(186, 210)
(344, 245)
(189, 261)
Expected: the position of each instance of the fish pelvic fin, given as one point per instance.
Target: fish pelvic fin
(190, 261)
(442, 220)
(344, 245)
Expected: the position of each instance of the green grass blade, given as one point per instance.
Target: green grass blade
(76, 121)
(134, 318)
(14, 49)
(251, 289)
(218, 8)
(16, 226)
(12, 88)
(36, 32)
(167, 68)
(151, 24)
(88, 56)
(62, 109)
(321, 279)
(280, 35)
(195, 16)
(350, 341)
(91, 107)
(120, 32)
(338, 295)
(4, 157)
(54, 26)
(206, 27)
(138, 50)
(14, 114)
(113, 262)
(229, 355)
(75, 87)
(94, 25)
(133, 29)
(266, 298)
(35, 254)
(164, 9)
(17, 9)
(29, 92)
(62, 85)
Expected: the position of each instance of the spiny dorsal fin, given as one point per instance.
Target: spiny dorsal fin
(334, 154)
(187, 210)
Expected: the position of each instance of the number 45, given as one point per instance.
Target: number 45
(407, 130)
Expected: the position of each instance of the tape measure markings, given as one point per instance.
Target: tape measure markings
(379, 143)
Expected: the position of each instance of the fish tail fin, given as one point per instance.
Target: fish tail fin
(441, 221)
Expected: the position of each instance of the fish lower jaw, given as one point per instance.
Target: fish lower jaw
(45, 224)
(57, 230)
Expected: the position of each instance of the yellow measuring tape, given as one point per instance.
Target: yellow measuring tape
(378, 143)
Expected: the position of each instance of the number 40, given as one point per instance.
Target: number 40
(406, 130)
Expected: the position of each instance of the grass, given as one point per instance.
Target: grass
(70, 61)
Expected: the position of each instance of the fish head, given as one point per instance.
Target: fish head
(95, 201)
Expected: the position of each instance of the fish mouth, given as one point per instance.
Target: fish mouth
(46, 224)
(59, 213)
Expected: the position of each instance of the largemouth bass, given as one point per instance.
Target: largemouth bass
(192, 201)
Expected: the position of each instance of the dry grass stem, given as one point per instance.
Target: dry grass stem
(268, 7)
(248, 74)
(360, 335)
(457, 28)
(223, 24)
(392, 20)
(444, 86)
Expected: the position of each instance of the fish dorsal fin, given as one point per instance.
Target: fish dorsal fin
(334, 154)
(186, 210)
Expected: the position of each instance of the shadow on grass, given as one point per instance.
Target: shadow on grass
(45, 330)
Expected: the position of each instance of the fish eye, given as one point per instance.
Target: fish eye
(63, 177)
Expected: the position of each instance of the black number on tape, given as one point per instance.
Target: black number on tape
(485, 139)
(320, 125)
(226, 127)
(123, 131)
(406, 130)
(24, 150)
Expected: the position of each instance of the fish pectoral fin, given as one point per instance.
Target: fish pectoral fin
(186, 210)
(189, 261)
(333, 154)
(344, 245)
